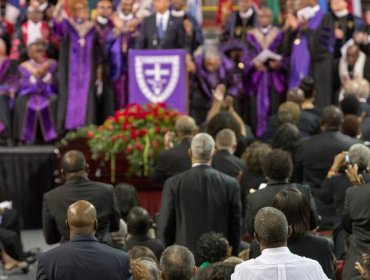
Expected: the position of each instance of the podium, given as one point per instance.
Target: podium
(157, 76)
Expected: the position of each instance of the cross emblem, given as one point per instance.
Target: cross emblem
(157, 73)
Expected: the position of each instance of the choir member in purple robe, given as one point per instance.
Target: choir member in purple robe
(78, 66)
(8, 87)
(213, 72)
(266, 78)
(35, 105)
(121, 40)
(313, 46)
(104, 26)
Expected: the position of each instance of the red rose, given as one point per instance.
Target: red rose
(113, 138)
(139, 147)
(134, 134)
(155, 144)
(126, 126)
(129, 149)
(90, 134)
(157, 129)
(143, 132)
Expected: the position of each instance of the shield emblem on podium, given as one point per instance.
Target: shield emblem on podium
(158, 76)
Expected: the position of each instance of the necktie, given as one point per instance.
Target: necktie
(160, 28)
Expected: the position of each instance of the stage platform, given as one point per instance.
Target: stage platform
(27, 172)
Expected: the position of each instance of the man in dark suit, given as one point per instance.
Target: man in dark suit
(161, 30)
(315, 154)
(200, 200)
(356, 221)
(225, 161)
(175, 159)
(277, 167)
(78, 187)
(83, 257)
(138, 225)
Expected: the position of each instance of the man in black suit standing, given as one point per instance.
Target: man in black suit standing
(83, 257)
(356, 221)
(225, 161)
(161, 30)
(200, 200)
(77, 187)
(175, 159)
(315, 154)
(278, 168)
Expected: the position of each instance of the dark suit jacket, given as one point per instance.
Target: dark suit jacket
(309, 246)
(174, 37)
(144, 240)
(173, 161)
(233, 166)
(264, 198)
(198, 201)
(57, 201)
(365, 129)
(356, 221)
(83, 258)
(315, 155)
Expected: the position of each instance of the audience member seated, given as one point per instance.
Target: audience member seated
(77, 187)
(221, 271)
(361, 89)
(225, 161)
(288, 112)
(351, 127)
(36, 104)
(127, 198)
(286, 138)
(83, 257)
(138, 224)
(212, 247)
(254, 157)
(315, 154)
(334, 188)
(175, 159)
(301, 242)
(144, 269)
(183, 217)
(278, 168)
(138, 252)
(356, 222)
(276, 261)
(307, 85)
(177, 262)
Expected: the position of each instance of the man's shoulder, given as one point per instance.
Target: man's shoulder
(60, 190)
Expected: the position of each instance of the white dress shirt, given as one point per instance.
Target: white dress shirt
(279, 264)
(33, 31)
(165, 18)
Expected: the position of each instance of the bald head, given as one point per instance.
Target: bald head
(81, 218)
(73, 162)
(185, 126)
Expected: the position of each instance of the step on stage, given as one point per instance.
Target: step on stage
(27, 172)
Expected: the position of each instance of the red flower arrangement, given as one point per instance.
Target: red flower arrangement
(138, 131)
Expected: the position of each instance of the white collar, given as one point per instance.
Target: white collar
(165, 18)
(341, 14)
(269, 251)
(266, 30)
(43, 7)
(102, 20)
(124, 17)
(30, 22)
(315, 9)
(199, 164)
(165, 15)
(247, 14)
(178, 13)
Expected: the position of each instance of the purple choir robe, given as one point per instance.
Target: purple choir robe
(312, 55)
(78, 63)
(119, 44)
(8, 83)
(264, 85)
(36, 94)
